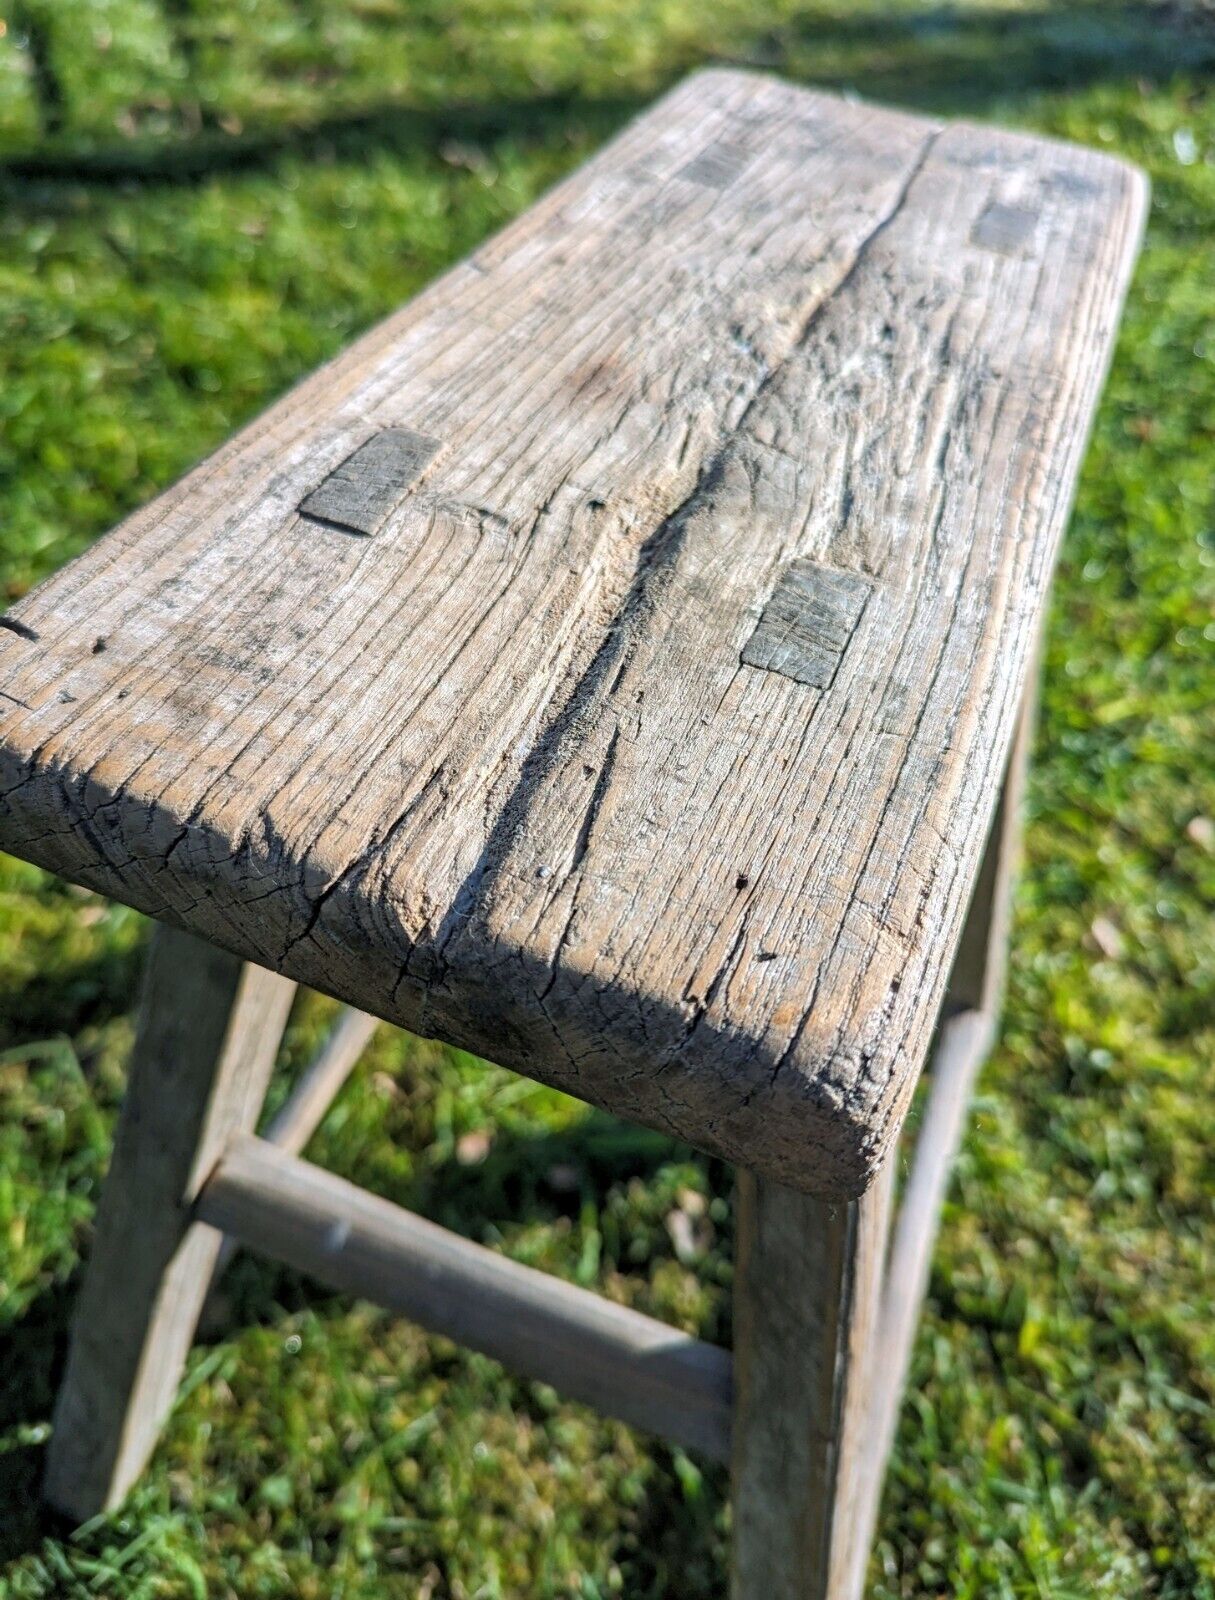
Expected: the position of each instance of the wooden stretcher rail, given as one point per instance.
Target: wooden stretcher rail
(964, 1044)
(624, 1364)
(304, 1109)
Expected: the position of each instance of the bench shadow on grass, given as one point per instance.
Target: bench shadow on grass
(57, 1002)
(960, 62)
(52, 1005)
(32, 1350)
(940, 59)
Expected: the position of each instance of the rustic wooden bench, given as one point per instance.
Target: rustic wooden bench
(613, 665)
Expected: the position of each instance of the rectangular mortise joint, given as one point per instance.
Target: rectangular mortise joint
(805, 626)
(363, 492)
(717, 165)
(1008, 230)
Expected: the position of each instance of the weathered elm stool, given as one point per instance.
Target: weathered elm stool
(613, 665)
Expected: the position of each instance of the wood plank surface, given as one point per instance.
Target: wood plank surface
(503, 750)
(624, 1364)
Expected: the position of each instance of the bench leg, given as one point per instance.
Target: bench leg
(823, 1324)
(808, 1277)
(976, 982)
(208, 1033)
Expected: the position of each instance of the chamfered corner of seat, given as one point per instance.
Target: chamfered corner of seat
(1139, 189)
(851, 1140)
(1127, 179)
(712, 81)
(819, 1121)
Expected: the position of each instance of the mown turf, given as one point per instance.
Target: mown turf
(202, 200)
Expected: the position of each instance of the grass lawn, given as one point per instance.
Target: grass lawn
(201, 200)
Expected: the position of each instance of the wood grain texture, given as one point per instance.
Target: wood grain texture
(301, 1114)
(363, 491)
(209, 1029)
(976, 988)
(624, 1364)
(807, 1288)
(500, 773)
(976, 982)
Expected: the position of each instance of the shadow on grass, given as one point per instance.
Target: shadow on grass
(545, 1176)
(32, 1352)
(671, 1532)
(939, 59)
(389, 127)
(958, 62)
(61, 1000)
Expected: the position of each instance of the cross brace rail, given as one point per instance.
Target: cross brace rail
(623, 1363)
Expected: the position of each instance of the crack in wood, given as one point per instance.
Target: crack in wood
(656, 399)
(21, 629)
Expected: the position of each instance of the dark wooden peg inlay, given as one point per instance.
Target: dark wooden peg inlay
(717, 165)
(362, 493)
(1008, 230)
(807, 623)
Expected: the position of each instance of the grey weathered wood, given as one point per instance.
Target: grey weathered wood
(363, 492)
(806, 1298)
(1006, 228)
(805, 627)
(624, 1364)
(975, 994)
(500, 773)
(964, 1044)
(304, 1110)
(976, 982)
(209, 1028)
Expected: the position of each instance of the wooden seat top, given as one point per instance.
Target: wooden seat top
(608, 664)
